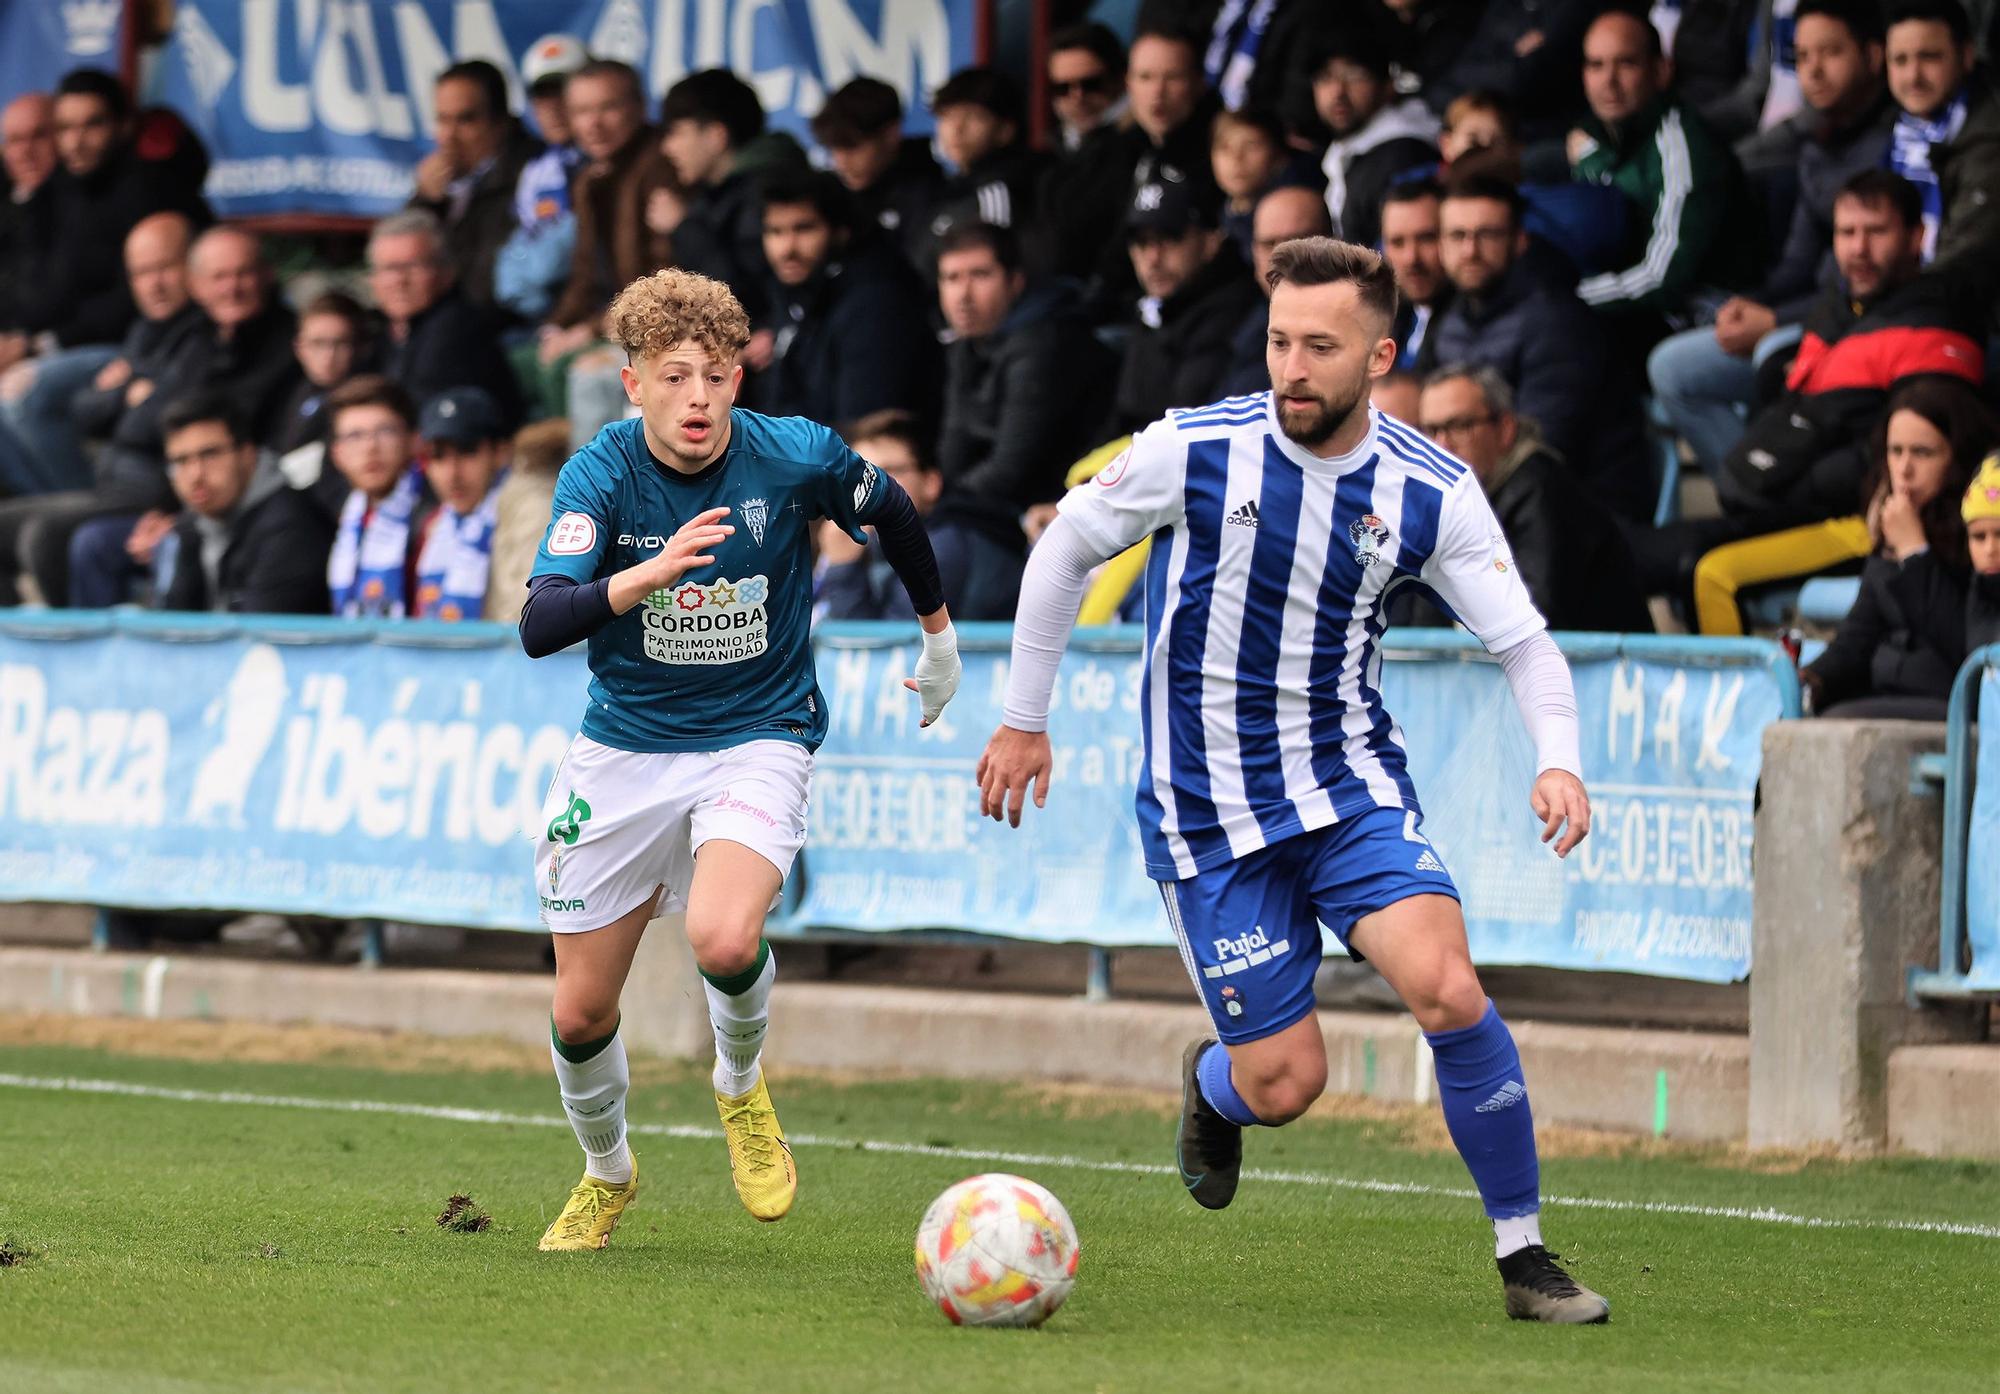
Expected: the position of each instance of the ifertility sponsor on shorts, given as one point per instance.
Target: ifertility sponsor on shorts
(723, 621)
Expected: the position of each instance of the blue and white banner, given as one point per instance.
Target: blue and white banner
(397, 771)
(324, 106)
(177, 762)
(1672, 748)
(40, 40)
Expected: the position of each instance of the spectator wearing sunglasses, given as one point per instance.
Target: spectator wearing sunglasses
(1086, 81)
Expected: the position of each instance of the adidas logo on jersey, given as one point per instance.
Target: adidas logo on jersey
(1245, 515)
(1506, 1096)
(1428, 862)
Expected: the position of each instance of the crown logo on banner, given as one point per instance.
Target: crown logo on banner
(620, 33)
(90, 27)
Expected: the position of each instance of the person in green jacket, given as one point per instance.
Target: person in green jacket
(1702, 237)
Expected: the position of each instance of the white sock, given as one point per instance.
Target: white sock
(739, 1023)
(1511, 1236)
(593, 1095)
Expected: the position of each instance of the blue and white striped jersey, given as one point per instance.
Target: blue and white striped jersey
(1266, 596)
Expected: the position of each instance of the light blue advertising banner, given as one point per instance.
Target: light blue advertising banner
(40, 40)
(399, 772)
(324, 106)
(1672, 746)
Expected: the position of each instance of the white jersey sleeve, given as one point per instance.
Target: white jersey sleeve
(1141, 491)
(1472, 569)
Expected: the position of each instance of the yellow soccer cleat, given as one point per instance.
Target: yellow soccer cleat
(592, 1213)
(760, 1161)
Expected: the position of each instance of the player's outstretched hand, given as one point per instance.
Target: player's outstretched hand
(1012, 761)
(1559, 798)
(938, 670)
(687, 549)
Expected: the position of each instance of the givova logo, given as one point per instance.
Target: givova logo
(723, 621)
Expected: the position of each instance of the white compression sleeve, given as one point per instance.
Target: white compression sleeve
(1542, 690)
(1051, 593)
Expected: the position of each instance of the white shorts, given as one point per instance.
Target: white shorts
(619, 824)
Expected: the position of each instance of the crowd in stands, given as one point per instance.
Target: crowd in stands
(1757, 236)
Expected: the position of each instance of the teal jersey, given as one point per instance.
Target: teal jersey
(724, 656)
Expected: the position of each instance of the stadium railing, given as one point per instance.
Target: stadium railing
(395, 771)
(1969, 917)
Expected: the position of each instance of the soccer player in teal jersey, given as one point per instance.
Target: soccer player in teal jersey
(680, 548)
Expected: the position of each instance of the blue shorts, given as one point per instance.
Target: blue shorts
(1249, 931)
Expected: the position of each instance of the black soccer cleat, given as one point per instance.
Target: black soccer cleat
(1538, 1290)
(1208, 1148)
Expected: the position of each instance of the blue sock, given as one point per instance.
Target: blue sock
(1486, 1109)
(1211, 1072)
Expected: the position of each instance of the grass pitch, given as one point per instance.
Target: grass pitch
(179, 1241)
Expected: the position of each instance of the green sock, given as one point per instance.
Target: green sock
(736, 984)
(581, 1051)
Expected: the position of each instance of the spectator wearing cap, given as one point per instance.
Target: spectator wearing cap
(1194, 292)
(245, 542)
(468, 183)
(1086, 82)
(1568, 549)
(531, 267)
(371, 573)
(467, 448)
(1376, 134)
(1550, 350)
(433, 338)
(1980, 512)
(1165, 128)
(719, 147)
(992, 176)
(28, 157)
(1287, 212)
(1686, 188)
(850, 313)
(1024, 384)
(892, 178)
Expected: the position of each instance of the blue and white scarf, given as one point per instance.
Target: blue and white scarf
(365, 569)
(455, 562)
(1233, 45)
(1910, 145)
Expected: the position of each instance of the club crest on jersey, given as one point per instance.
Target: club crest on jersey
(1370, 535)
(755, 512)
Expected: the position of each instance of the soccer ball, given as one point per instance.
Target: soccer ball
(996, 1250)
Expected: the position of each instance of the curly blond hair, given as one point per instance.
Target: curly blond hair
(671, 307)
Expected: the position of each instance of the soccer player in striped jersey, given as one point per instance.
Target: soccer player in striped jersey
(1274, 793)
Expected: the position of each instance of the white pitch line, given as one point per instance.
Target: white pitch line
(1755, 1214)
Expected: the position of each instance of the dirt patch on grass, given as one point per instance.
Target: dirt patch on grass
(13, 1255)
(461, 1215)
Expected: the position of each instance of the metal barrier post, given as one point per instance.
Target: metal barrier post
(1097, 987)
(1949, 978)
